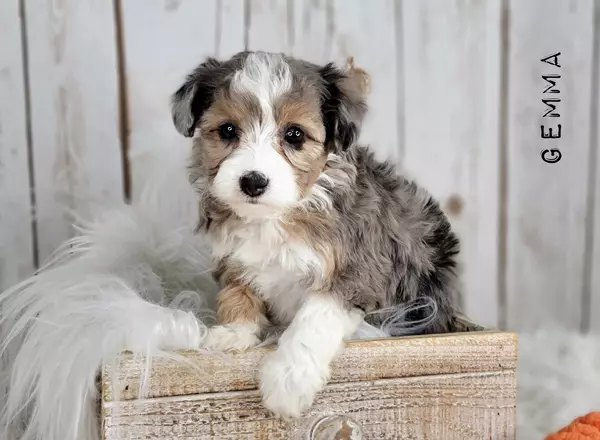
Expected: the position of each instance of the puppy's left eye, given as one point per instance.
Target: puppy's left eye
(227, 131)
(294, 136)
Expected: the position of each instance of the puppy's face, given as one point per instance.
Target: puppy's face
(263, 126)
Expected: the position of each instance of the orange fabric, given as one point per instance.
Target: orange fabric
(582, 428)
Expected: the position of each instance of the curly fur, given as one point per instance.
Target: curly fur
(374, 251)
(557, 375)
(136, 278)
(324, 235)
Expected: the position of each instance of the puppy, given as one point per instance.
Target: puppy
(309, 231)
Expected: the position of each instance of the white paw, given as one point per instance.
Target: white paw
(288, 384)
(232, 337)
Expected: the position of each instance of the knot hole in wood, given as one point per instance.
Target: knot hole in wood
(454, 205)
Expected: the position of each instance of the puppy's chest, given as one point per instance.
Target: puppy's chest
(276, 265)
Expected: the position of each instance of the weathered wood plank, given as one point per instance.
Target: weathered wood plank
(361, 360)
(367, 32)
(162, 46)
(269, 25)
(591, 305)
(547, 202)
(452, 94)
(74, 113)
(451, 407)
(231, 27)
(16, 242)
(310, 30)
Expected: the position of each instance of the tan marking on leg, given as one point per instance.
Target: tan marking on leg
(238, 303)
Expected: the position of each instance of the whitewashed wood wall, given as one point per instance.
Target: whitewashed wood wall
(457, 101)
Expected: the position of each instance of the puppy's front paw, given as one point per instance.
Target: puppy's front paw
(232, 337)
(288, 384)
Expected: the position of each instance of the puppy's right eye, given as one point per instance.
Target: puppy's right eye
(294, 136)
(227, 131)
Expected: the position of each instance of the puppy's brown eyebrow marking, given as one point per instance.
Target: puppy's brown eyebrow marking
(232, 107)
(303, 114)
(313, 138)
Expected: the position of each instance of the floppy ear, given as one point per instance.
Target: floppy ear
(195, 96)
(344, 106)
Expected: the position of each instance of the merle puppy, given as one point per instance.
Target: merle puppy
(309, 230)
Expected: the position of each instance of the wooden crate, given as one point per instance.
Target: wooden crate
(458, 386)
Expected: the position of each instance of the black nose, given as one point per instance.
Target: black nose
(253, 183)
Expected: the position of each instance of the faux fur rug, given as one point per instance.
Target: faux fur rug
(558, 379)
(133, 279)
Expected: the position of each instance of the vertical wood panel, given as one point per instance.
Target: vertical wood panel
(435, 68)
(231, 27)
(269, 25)
(16, 244)
(367, 32)
(310, 32)
(74, 112)
(452, 77)
(162, 45)
(547, 202)
(592, 301)
(593, 322)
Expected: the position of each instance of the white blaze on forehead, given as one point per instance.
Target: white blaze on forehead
(265, 77)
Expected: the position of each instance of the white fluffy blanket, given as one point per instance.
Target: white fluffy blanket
(135, 278)
(558, 378)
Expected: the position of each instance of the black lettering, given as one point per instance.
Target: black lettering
(551, 156)
(550, 135)
(550, 113)
(549, 79)
(552, 59)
